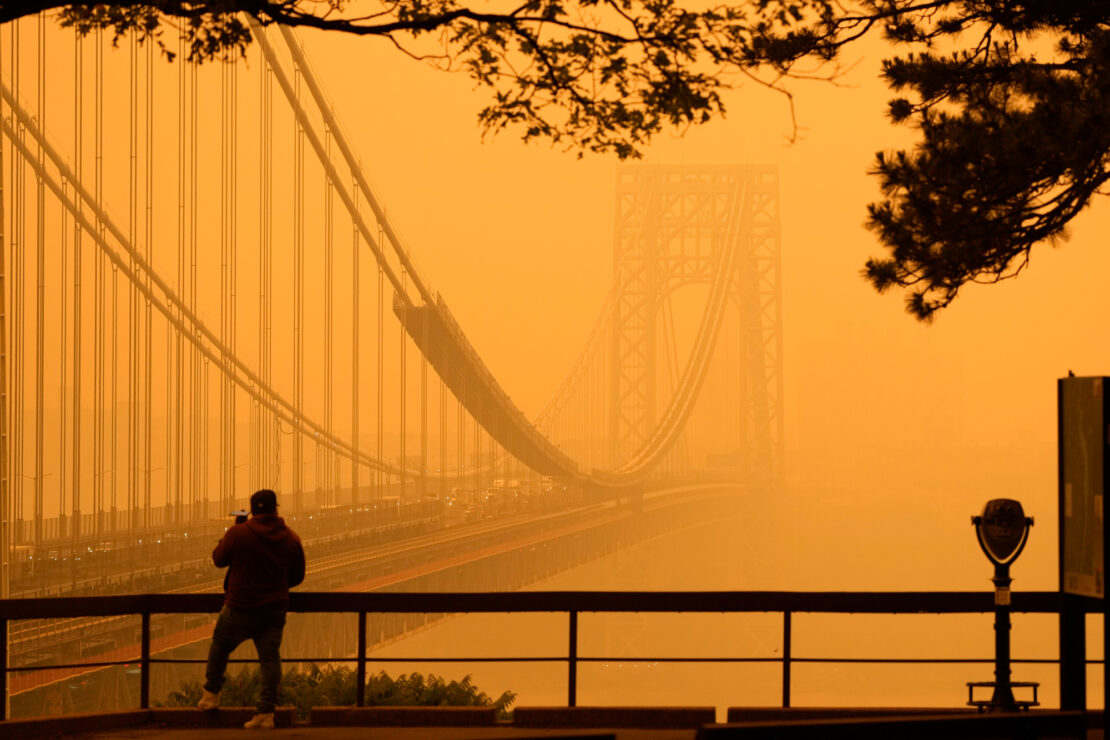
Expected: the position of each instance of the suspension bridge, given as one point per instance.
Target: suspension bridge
(204, 295)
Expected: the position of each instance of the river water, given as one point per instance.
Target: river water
(812, 540)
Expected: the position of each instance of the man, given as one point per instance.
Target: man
(264, 559)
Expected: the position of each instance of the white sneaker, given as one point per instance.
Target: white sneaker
(209, 700)
(260, 722)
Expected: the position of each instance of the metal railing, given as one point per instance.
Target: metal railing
(571, 603)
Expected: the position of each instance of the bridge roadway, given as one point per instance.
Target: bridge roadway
(482, 555)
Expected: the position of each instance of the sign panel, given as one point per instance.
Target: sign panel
(1083, 440)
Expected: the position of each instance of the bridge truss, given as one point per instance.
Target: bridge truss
(171, 341)
(679, 226)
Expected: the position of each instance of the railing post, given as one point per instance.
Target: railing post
(3, 668)
(786, 658)
(360, 671)
(1073, 654)
(572, 662)
(144, 663)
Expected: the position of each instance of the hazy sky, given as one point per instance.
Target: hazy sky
(884, 416)
(518, 238)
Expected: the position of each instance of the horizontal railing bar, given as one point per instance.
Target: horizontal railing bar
(202, 661)
(371, 659)
(58, 666)
(547, 659)
(831, 602)
(921, 660)
(654, 659)
(485, 659)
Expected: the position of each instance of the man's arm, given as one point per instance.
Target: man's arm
(296, 568)
(221, 556)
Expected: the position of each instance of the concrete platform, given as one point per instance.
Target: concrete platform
(447, 724)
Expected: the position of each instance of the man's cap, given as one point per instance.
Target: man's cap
(264, 502)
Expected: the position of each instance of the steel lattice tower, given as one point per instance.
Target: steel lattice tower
(672, 225)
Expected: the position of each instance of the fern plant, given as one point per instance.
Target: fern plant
(327, 686)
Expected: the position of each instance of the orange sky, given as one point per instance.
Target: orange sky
(879, 407)
(883, 415)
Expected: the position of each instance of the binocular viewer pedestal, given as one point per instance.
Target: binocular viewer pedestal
(1002, 530)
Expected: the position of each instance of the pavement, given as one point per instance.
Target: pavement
(476, 723)
(307, 732)
(396, 733)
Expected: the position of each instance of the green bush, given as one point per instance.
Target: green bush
(335, 686)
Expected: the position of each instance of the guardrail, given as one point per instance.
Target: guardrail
(571, 603)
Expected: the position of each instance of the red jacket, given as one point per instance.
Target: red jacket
(265, 558)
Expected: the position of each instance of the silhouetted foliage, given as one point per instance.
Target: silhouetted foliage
(1010, 97)
(335, 686)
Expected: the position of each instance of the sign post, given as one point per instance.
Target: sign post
(1084, 446)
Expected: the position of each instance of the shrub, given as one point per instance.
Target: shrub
(335, 686)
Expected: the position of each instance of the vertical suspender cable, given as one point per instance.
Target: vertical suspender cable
(40, 298)
(380, 475)
(460, 429)
(132, 303)
(198, 445)
(5, 426)
(402, 463)
(62, 357)
(17, 308)
(233, 259)
(255, 454)
(77, 329)
(477, 458)
(148, 324)
(270, 448)
(442, 440)
(113, 400)
(264, 194)
(329, 344)
(228, 220)
(173, 400)
(113, 374)
(298, 295)
(354, 353)
(133, 335)
(223, 433)
(98, 290)
(424, 413)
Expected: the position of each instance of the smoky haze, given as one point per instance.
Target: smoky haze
(895, 432)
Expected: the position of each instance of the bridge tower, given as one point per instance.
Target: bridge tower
(672, 225)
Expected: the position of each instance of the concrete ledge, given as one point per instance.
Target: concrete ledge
(71, 724)
(222, 717)
(76, 724)
(1025, 725)
(403, 716)
(768, 714)
(614, 717)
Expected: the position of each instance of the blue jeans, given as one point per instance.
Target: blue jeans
(264, 626)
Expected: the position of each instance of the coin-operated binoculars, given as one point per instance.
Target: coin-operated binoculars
(1003, 530)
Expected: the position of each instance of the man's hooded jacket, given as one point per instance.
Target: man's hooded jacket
(265, 559)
